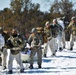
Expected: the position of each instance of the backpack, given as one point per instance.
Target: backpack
(40, 31)
(34, 40)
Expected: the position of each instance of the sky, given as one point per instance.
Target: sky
(6, 4)
(43, 7)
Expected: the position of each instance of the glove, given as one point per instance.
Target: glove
(49, 38)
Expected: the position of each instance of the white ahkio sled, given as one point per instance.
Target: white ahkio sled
(25, 56)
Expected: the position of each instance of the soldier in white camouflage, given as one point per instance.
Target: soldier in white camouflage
(35, 43)
(51, 31)
(3, 49)
(61, 36)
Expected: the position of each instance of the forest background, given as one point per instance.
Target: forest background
(24, 14)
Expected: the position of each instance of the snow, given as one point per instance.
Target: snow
(64, 63)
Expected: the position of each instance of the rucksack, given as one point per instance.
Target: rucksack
(40, 29)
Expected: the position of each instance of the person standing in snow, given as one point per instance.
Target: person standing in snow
(3, 51)
(35, 43)
(61, 36)
(51, 32)
(15, 45)
(72, 28)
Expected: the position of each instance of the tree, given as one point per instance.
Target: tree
(5, 17)
(61, 8)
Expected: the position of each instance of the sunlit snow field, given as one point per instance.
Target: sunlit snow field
(64, 63)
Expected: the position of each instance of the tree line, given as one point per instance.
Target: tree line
(24, 15)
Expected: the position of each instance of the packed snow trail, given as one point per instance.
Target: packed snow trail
(64, 63)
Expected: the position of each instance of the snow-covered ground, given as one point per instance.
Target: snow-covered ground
(64, 63)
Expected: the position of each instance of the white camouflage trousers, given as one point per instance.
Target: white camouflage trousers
(4, 57)
(52, 45)
(61, 40)
(18, 59)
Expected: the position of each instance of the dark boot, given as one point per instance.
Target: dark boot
(64, 47)
(71, 48)
(0, 60)
(22, 70)
(31, 66)
(44, 55)
(53, 54)
(39, 66)
(9, 72)
(55, 51)
(0, 64)
(60, 49)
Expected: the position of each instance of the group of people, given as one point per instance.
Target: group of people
(55, 31)
(15, 43)
(53, 35)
